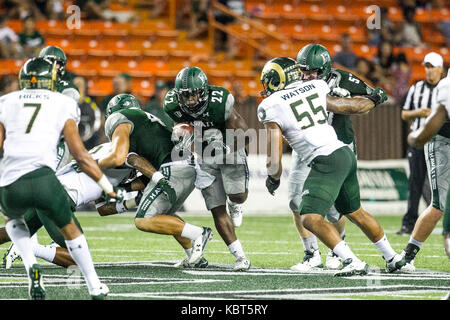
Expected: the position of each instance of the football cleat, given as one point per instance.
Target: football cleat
(199, 245)
(352, 268)
(36, 289)
(241, 264)
(409, 265)
(396, 263)
(311, 260)
(333, 262)
(201, 264)
(99, 293)
(235, 213)
(11, 255)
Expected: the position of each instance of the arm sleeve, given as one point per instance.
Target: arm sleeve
(229, 105)
(409, 99)
(113, 121)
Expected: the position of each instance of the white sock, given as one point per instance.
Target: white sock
(415, 242)
(310, 243)
(188, 252)
(34, 238)
(343, 251)
(236, 249)
(191, 232)
(385, 248)
(20, 235)
(232, 204)
(79, 250)
(44, 252)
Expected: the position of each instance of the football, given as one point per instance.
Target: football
(183, 135)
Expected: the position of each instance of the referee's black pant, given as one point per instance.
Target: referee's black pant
(418, 186)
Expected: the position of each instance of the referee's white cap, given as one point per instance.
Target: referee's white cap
(434, 59)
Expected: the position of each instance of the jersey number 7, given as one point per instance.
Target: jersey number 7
(318, 113)
(33, 117)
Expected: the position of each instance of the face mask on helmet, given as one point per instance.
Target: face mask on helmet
(192, 100)
(310, 74)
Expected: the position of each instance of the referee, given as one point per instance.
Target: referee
(415, 110)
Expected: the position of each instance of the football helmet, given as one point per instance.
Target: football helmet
(191, 89)
(121, 101)
(277, 73)
(54, 53)
(314, 57)
(38, 73)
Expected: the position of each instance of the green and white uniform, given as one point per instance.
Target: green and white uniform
(437, 152)
(81, 190)
(67, 88)
(300, 112)
(343, 126)
(230, 172)
(33, 121)
(151, 139)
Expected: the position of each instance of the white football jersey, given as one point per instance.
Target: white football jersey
(443, 94)
(33, 120)
(80, 187)
(300, 112)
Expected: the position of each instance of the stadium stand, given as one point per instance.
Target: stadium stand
(145, 42)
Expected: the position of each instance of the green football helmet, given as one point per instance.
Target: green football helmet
(277, 74)
(54, 53)
(120, 102)
(315, 57)
(191, 89)
(38, 73)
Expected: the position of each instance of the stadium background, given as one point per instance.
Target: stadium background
(139, 46)
(146, 41)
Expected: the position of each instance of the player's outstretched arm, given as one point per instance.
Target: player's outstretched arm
(120, 147)
(274, 154)
(356, 105)
(84, 159)
(434, 122)
(141, 164)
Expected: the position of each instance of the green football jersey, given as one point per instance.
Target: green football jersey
(149, 137)
(220, 106)
(341, 123)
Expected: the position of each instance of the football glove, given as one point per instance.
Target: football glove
(378, 96)
(120, 195)
(167, 189)
(340, 92)
(272, 184)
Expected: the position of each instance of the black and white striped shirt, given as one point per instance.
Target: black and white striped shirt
(420, 95)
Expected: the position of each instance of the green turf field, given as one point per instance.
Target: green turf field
(137, 265)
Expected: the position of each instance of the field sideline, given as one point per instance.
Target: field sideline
(136, 265)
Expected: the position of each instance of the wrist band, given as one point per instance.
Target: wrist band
(157, 176)
(105, 184)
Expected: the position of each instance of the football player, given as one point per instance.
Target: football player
(342, 84)
(81, 190)
(435, 136)
(31, 122)
(132, 130)
(297, 110)
(211, 109)
(65, 86)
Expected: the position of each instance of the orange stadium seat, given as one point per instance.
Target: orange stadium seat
(100, 87)
(340, 12)
(11, 66)
(315, 12)
(142, 87)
